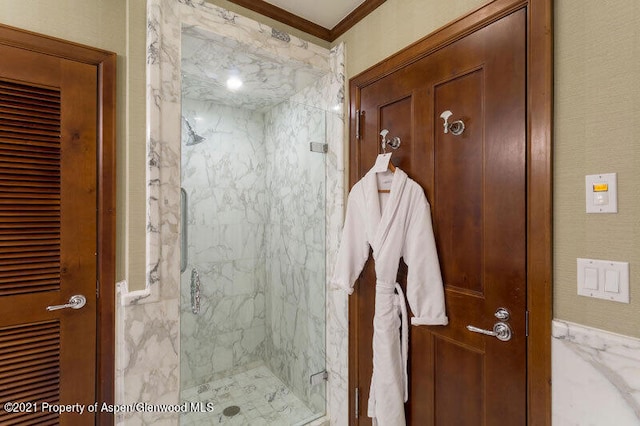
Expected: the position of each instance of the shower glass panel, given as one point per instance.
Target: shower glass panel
(255, 243)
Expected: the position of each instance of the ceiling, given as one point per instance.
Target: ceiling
(208, 60)
(326, 13)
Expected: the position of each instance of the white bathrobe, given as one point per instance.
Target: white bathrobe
(401, 228)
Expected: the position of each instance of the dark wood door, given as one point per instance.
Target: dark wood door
(48, 236)
(476, 185)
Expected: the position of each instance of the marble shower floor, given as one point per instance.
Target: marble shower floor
(263, 399)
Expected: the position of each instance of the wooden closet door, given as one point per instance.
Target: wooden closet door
(48, 234)
(476, 185)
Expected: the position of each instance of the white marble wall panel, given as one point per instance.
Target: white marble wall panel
(224, 178)
(337, 332)
(596, 377)
(209, 59)
(146, 364)
(296, 245)
(259, 37)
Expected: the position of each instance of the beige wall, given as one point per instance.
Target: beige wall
(597, 102)
(597, 130)
(134, 185)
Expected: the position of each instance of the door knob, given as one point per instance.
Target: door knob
(501, 331)
(75, 302)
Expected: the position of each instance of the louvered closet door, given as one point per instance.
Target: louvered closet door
(47, 236)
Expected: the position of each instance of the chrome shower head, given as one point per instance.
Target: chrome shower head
(192, 137)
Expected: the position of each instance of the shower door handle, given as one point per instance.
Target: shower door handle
(183, 231)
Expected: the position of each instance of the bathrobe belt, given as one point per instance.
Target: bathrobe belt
(385, 289)
(402, 311)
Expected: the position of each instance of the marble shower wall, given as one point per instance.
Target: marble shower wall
(596, 377)
(256, 236)
(224, 178)
(295, 243)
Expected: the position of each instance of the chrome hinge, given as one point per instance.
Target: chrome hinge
(320, 147)
(318, 378)
(357, 403)
(358, 114)
(97, 289)
(526, 323)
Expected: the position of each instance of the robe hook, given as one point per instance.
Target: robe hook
(456, 128)
(393, 143)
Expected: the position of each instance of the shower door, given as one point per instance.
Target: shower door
(253, 286)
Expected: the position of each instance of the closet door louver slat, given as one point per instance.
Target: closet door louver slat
(30, 188)
(30, 371)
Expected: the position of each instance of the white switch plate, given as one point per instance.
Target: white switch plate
(601, 201)
(603, 279)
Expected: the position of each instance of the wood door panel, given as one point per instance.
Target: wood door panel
(364, 309)
(419, 408)
(476, 185)
(458, 198)
(48, 233)
(392, 117)
(460, 375)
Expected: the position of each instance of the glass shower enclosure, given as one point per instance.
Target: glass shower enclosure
(252, 317)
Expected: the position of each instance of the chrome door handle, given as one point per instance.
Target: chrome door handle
(75, 302)
(501, 331)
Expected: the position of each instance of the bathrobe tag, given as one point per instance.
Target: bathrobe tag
(382, 163)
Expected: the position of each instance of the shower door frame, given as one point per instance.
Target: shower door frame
(165, 19)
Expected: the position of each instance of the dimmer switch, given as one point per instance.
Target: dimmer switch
(601, 193)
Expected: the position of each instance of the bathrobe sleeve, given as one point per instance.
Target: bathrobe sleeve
(354, 247)
(425, 292)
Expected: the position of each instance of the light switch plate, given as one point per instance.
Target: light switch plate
(603, 279)
(601, 193)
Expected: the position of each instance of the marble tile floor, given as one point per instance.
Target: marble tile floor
(263, 400)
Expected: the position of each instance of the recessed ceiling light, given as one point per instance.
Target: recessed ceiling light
(234, 83)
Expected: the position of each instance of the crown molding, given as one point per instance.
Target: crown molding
(295, 21)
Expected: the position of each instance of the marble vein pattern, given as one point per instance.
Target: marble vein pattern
(596, 377)
(262, 398)
(256, 214)
(149, 321)
(224, 179)
(209, 59)
(295, 288)
(337, 325)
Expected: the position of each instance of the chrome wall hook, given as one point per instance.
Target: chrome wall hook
(393, 143)
(456, 128)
